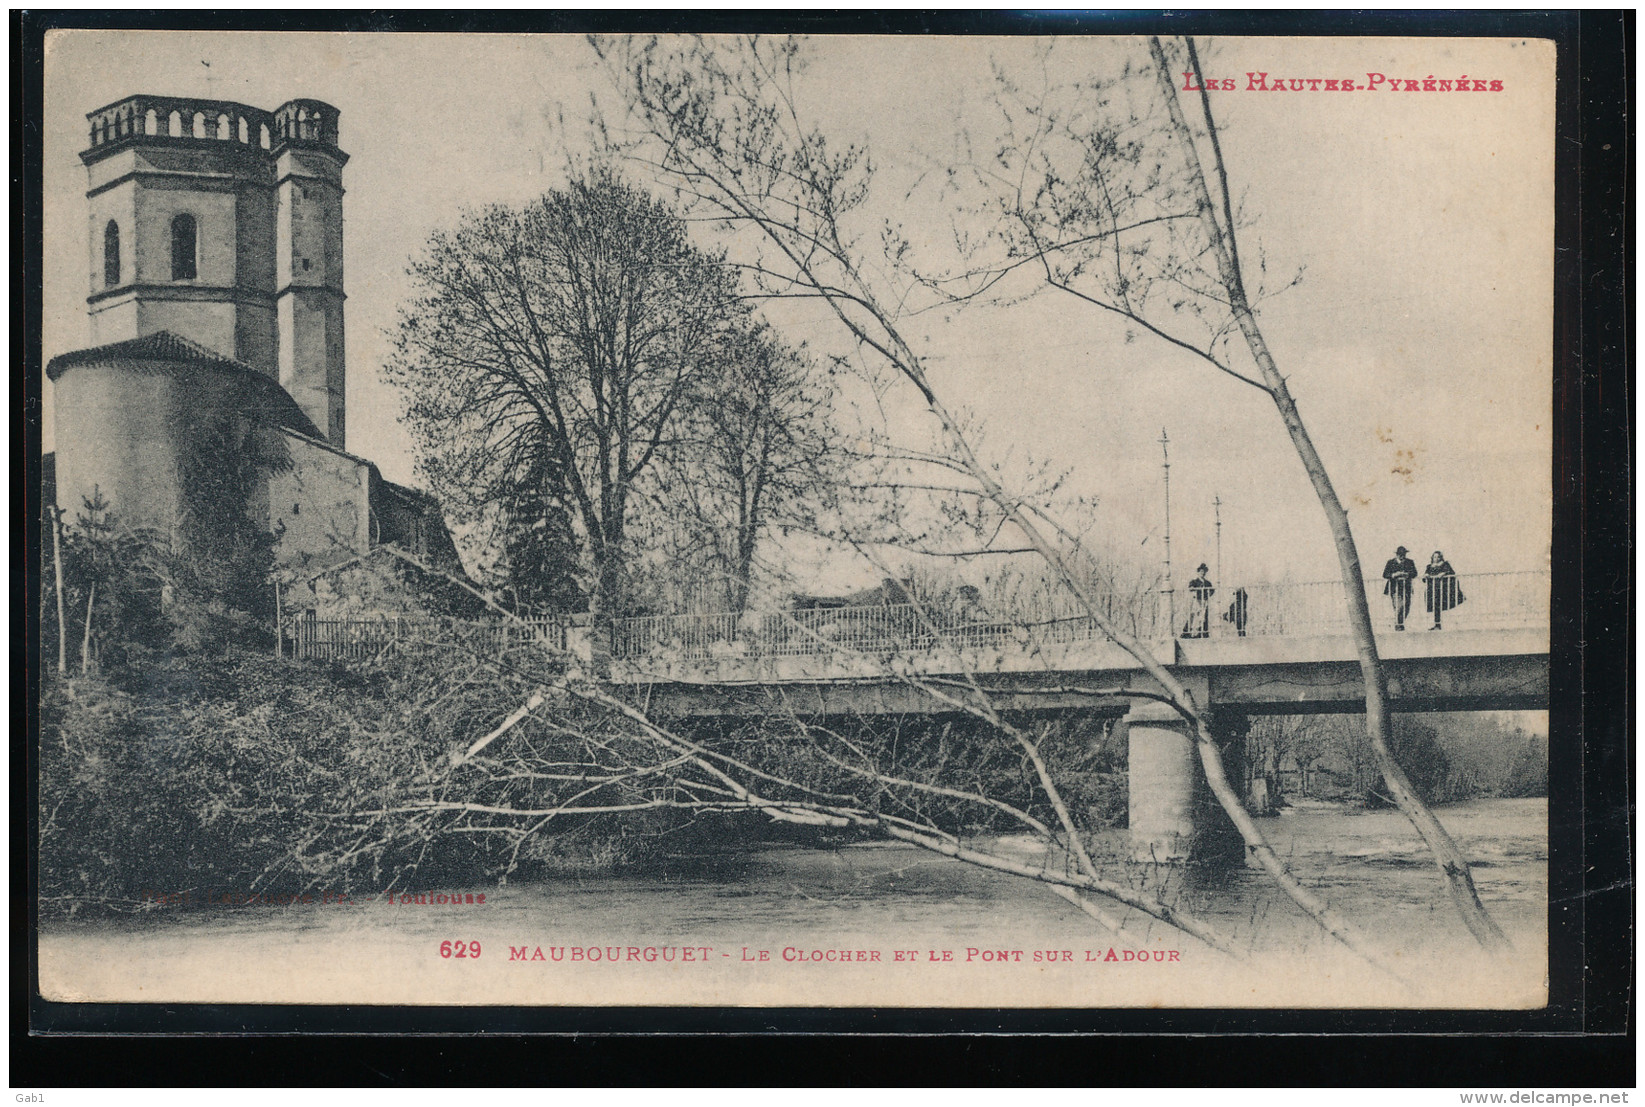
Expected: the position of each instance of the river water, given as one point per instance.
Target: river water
(868, 924)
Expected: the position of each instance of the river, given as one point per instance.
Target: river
(865, 924)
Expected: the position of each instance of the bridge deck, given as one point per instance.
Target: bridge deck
(1446, 671)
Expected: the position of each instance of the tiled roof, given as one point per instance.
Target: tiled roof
(164, 352)
(159, 346)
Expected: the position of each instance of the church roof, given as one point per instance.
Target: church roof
(163, 352)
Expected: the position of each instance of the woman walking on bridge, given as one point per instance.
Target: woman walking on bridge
(1441, 582)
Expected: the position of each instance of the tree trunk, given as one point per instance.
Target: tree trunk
(85, 640)
(1452, 865)
(744, 568)
(62, 620)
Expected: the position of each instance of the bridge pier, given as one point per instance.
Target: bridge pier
(1174, 819)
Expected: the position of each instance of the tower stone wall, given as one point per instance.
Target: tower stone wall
(227, 224)
(132, 417)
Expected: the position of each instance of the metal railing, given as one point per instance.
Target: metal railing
(368, 637)
(1472, 601)
(881, 628)
(1478, 601)
(1487, 601)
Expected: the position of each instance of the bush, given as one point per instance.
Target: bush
(957, 753)
(129, 595)
(1528, 775)
(242, 773)
(187, 774)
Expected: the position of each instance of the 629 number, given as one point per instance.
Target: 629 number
(459, 949)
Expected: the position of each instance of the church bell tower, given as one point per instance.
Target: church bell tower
(223, 224)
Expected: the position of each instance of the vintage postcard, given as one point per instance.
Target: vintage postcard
(849, 521)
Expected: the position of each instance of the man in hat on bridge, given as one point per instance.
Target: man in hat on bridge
(1200, 591)
(1399, 573)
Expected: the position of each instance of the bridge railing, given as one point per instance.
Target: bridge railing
(1310, 608)
(1488, 601)
(371, 636)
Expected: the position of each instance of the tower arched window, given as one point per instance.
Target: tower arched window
(111, 254)
(184, 238)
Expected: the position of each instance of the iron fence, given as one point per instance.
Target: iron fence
(367, 637)
(1473, 601)
(1477, 601)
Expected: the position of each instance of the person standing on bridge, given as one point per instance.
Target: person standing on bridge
(1399, 573)
(1443, 592)
(1239, 612)
(1200, 592)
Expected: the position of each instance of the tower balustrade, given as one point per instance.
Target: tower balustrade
(306, 121)
(246, 206)
(200, 120)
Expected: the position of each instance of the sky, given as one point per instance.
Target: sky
(1418, 344)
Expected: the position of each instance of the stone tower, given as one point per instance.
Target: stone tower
(223, 225)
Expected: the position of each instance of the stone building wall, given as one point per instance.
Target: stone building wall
(319, 504)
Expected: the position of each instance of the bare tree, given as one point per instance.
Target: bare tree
(55, 513)
(1305, 740)
(550, 355)
(724, 124)
(720, 119)
(757, 457)
(1103, 187)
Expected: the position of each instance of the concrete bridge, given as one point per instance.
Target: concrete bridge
(1296, 658)
(1291, 654)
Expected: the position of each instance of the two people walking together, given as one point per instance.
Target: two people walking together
(1439, 581)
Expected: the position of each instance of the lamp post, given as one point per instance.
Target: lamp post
(1216, 505)
(1166, 589)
